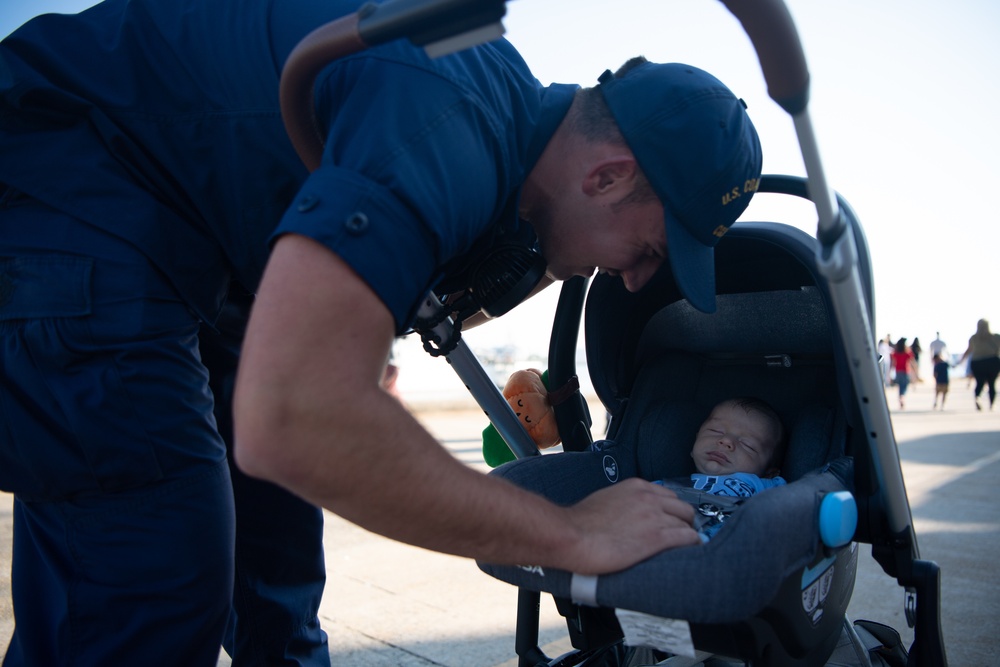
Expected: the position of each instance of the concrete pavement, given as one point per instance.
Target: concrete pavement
(389, 604)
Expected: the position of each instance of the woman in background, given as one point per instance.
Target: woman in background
(984, 355)
(903, 362)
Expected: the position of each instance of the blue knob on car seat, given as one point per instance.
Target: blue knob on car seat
(838, 518)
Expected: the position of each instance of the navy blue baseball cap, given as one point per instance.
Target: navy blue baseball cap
(697, 147)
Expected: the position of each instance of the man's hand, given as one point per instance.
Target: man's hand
(627, 523)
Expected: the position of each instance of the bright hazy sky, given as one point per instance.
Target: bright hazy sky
(905, 101)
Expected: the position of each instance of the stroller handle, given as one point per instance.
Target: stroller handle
(775, 38)
(326, 43)
(440, 26)
(770, 28)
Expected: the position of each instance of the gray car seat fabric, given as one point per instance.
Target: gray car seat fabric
(770, 321)
(772, 536)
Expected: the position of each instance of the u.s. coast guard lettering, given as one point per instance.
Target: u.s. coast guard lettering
(750, 185)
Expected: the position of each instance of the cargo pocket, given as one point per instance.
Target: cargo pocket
(68, 425)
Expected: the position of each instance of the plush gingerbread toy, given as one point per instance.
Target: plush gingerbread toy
(528, 397)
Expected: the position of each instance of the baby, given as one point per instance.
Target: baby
(736, 452)
(738, 449)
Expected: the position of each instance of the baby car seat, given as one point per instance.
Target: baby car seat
(772, 587)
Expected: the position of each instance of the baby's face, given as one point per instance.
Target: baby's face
(733, 440)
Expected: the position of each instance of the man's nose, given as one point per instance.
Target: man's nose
(635, 279)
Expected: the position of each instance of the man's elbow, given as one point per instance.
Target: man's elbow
(251, 453)
(257, 440)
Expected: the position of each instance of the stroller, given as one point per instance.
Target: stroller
(794, 327)
(772, 587)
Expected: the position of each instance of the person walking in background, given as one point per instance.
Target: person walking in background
(984, 360)
(938, 347)
(916, 348)
(902, 362)
(940, 379)
(885, 356)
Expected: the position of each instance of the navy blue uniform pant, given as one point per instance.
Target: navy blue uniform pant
(133, 541)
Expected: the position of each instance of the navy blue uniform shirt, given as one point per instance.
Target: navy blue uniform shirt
(158, 121)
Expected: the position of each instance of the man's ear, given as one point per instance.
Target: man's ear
(609, 174)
